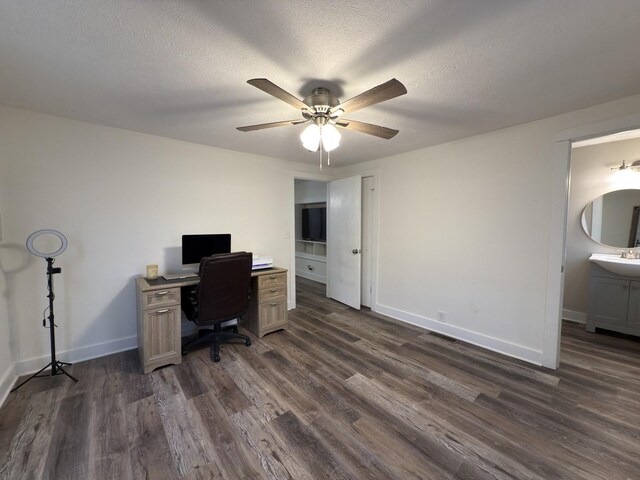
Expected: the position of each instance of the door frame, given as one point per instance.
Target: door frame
(372, 241)
(558, 232)
(375, 234)
(297, 175)
(325, 178)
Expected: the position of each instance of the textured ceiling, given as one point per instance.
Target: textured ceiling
(179, 68)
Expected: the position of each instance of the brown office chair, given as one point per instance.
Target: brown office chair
(221, 295)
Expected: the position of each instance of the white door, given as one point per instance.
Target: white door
(343, 242)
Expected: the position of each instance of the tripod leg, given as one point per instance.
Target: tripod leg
(32, 376)
(63, 371)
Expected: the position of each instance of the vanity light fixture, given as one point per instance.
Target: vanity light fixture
(635, 166)
(622, 167)
(625, 175)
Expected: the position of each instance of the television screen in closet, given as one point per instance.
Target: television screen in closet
(314, 224)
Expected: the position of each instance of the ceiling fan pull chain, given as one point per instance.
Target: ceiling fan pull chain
(320, 150)
(329, 158)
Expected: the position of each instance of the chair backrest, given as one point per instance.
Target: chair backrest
(223, 291)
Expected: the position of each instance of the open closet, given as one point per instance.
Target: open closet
(311, 230)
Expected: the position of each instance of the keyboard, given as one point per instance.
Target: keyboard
(177, 276)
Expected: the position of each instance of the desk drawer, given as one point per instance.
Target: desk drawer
(159, 298)
(269, 294)
(272, 280)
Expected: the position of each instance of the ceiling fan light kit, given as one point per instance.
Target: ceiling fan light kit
(324, 111)
(310, 137)
(330, 137)
(313, 134)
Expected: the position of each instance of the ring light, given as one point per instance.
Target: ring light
(57, 367)
(46, 231)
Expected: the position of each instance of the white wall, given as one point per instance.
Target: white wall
(591, 176)
(309, 191)
(465, 228)
(7, 364)
(123, 200)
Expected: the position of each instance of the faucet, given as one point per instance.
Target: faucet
(631, 254)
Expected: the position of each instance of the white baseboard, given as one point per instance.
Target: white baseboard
(495, 344)
(572, 315)
(79, 354)
(6, 382)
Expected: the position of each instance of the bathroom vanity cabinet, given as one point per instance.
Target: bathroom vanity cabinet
(614, 302)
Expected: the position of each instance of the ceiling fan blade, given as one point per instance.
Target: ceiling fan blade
(274, 90)
(250, 128)
(369, 128)
(385, 91)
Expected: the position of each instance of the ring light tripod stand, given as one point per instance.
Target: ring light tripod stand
(56, 365)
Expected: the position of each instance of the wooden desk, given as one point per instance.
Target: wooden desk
(159, 313)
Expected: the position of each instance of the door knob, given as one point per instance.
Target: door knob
(356, 251)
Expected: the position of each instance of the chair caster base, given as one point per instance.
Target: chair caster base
(215, 358)
(248, 343)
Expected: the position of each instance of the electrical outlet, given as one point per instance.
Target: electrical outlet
(442, 316)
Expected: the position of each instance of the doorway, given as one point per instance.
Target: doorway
(602, 217)
(309, 252)
(559, 218)
(310, 232)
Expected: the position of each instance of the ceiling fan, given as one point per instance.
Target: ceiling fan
(323, 110)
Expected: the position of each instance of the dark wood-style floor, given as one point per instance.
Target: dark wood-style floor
(341, 394)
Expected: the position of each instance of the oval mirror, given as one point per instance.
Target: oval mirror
(612, 219)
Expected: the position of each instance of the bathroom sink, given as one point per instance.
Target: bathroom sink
(629, 267)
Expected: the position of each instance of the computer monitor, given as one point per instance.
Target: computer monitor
(196, 247)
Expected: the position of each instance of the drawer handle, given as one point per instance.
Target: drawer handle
(273, 290)
(162, 293)
(309, 267)
(164, 310)
(274, 304)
